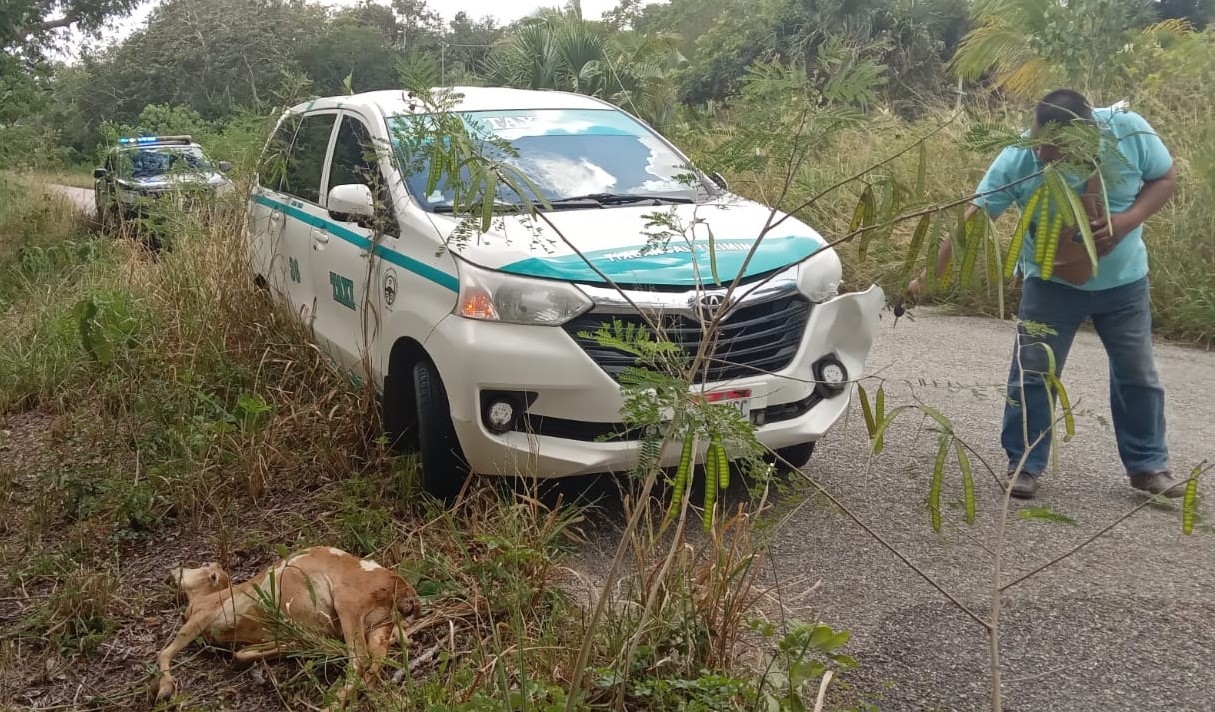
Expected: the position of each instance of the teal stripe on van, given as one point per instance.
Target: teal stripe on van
(439, 277)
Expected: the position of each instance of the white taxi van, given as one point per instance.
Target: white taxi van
(476, 345)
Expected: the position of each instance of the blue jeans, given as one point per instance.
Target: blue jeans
(1122, 317)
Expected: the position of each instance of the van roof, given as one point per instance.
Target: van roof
(393, 102)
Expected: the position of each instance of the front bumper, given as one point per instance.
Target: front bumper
(138, 204)
(573, 401)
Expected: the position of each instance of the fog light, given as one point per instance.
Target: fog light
(831, 376)
(499, 415)
(504, 411)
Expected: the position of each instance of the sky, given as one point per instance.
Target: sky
(503, 10)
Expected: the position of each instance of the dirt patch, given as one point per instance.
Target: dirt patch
(25, 443)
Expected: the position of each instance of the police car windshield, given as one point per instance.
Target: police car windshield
(569, 154)
(147, 162)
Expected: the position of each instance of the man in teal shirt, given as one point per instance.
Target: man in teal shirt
(1140, 179)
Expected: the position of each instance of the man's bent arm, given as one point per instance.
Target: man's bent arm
(1155, 194)
(946, 249)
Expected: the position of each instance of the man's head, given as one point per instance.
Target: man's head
(1056, 110)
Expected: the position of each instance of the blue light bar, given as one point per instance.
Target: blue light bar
(127, 141)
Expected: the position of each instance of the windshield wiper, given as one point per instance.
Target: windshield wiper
(449, 208)
(590, 200)
(594, 200)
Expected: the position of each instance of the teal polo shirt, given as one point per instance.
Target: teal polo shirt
(1131, 153)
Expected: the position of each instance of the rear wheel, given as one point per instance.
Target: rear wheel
(441, 460)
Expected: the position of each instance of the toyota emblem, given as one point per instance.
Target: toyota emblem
(709, 306)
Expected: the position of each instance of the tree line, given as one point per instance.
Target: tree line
(207, 62)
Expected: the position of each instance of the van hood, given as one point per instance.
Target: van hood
(624, 243)
(170, 181)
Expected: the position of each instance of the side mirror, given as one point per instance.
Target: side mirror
(225, 166)
(720, 181)
(100, 173)
(351, 202)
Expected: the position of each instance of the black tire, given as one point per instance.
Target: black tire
(441, 460)
(797, 455)
(399, 411)
(114, 219)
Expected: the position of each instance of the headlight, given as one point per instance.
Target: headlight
(494, 296)
(821, 275)
(139, 189)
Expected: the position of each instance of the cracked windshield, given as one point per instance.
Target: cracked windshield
(149, 163)
(579, 155)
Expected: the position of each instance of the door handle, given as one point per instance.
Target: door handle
(276, 216)
(321, 237)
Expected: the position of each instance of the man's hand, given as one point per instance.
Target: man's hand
(1108, 233)
(916, 288)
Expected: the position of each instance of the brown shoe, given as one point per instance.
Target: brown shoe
(1157, 483)
(1025, 486)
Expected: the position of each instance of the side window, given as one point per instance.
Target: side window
(273, 161)
(354, 161)
(351, 152)
(306, 159)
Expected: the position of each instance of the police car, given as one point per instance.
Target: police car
(142, 171)
(477, 345)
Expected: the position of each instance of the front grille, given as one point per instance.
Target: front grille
(753, 339)
(789, 411)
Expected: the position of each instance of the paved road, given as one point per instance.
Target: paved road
(1127, 624)
(82, 197)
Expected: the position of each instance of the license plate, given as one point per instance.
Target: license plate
(736, 398)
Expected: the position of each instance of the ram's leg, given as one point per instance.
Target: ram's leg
(260, 651)
(378, 642)
(187, 633)
(355, 637)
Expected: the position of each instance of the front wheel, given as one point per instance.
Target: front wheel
(104, 216)
(112, 216)
(796, 455)
(441, 463)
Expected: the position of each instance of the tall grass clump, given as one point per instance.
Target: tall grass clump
(46, 247)
(1180, 250)
(175, 387)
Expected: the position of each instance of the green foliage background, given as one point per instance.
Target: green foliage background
(221, 69)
